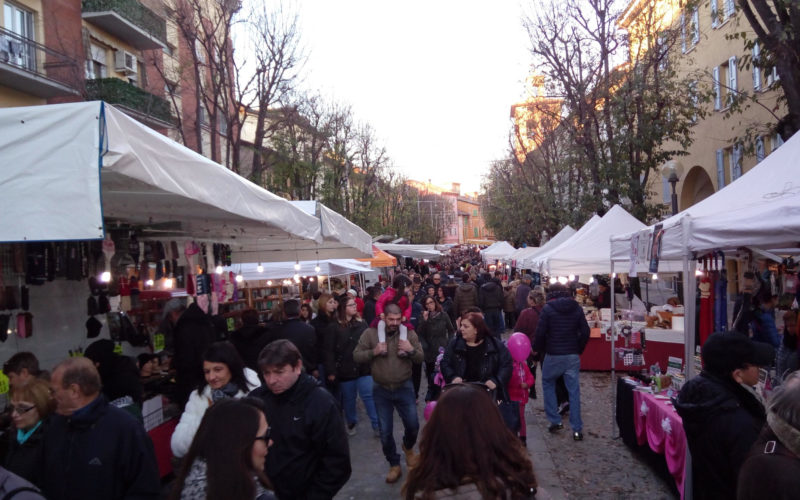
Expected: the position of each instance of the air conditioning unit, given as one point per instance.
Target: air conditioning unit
(125, 61)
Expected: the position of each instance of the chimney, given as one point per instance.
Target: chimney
(457, 187)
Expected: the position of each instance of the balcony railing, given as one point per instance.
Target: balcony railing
(35, 69)
(129, 97)
(148, 30)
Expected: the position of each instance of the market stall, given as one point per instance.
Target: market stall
(498, 251)
(559, 238)
(428, 252)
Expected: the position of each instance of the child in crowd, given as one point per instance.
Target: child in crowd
(518, 390)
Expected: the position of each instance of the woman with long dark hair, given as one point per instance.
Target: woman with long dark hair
(326, 315)
(435, 331)
(226, 458)
(352, 377)
(466, 451)
(225, 377)
(477, 356)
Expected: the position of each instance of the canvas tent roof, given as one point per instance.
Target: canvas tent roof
(760, 209)
(380, 258)
(560, 237)
(69, 168)
(521, 253)
(499, 250)
(588, 252)
(414, 251)
(282, 270)
(537, 261)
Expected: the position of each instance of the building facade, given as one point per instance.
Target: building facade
(721, 151)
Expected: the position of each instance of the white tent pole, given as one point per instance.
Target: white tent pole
(613, 371)
(689, 292)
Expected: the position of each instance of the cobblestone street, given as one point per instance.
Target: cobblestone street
(598, 467)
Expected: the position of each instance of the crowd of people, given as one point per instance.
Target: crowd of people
(267, 412)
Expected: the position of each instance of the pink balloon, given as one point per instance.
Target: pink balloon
(429, 406)
(519, 345)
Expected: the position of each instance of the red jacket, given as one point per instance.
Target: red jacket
(520, 373)
(387, 297)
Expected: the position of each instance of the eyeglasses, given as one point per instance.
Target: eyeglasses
(266, 436)
(351, 304)
(21, 410)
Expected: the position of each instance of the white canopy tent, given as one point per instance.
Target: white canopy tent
(283, 270)
(497, 251)
(589, 251)
(560, 237)
(70, 168)
(535, 262)
(413, 251)
(519, 254)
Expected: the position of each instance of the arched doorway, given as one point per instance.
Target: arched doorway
(696, 186)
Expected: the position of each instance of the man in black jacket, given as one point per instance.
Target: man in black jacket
(310, 457)
(490, 300)
(722, 415)
(562, 334)
(301, 334)
(93, 449)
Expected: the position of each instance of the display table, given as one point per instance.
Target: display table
(659, 346)
(161, 436)
(659, 425)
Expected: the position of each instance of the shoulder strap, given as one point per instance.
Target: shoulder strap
(21, 489)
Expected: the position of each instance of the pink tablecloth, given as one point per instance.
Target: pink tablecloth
(660, 426)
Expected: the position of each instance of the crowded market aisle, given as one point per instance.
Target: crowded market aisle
(598, 467)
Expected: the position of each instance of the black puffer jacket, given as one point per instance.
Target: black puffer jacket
(342, 341)
(321, 324)
(490, 296)
(562, 328)
(304, 337)
(722, 421)
(496, 364)
(435, 332)
(310, 457)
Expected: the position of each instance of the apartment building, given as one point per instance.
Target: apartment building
(716, 158)
(129, 53)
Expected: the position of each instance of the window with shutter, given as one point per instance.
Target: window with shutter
(756, 69)
(683, 33)
(736, 162)
(717, 89)
(695, 26)
(777, 141)
(760, 153)
(729, 8)
(732, 85)
(720, 170)
(714, 14)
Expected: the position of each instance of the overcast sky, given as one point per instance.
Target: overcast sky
(436, 78)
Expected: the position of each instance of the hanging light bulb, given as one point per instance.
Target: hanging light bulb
(219, 270)
(591, 280)
(260, 268)
(655, 276)
(149, 283)
(316, 268)
(571, 277)
(105, 277)
(562, 280)
(239, 278)
(311, 280)
(269, 282)
(297, 266)
(168, 283)
(698, 272)
(553, 281)
(614, 275)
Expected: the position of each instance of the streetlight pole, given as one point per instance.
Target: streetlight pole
(673, 179)
(672, 172)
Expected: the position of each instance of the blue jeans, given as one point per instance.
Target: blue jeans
(553, 367)
(362, 386)
(494, 320)
(385, 403)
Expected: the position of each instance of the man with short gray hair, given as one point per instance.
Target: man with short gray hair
(91, 448)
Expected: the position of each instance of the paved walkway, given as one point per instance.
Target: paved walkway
(370, 467)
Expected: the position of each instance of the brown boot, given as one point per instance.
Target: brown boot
(412, 459)
(394, 474)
